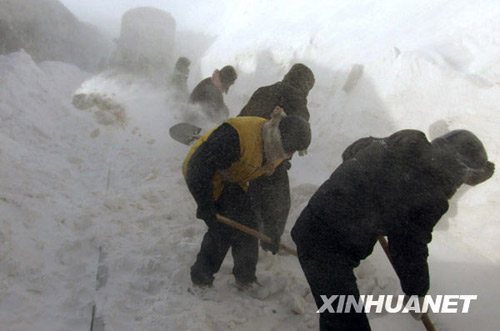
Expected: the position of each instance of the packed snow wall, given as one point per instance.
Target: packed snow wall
(146, 42)
(48, 31)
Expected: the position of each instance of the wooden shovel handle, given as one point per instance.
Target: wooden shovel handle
(253, 233)
(425, 318)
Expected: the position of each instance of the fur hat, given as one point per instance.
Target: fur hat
(295, 133)
(227, 75)
(301, 77)
(469, 152)
(284, 134)
(468, 149)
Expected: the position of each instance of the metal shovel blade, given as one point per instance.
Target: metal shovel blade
(185, 133)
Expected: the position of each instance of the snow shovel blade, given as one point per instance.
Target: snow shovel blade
(185, 133)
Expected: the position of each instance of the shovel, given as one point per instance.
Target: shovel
(185, 133)
(253, 233)
(425, 318)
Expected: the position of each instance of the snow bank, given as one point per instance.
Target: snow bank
(45, 249)
(47, 30)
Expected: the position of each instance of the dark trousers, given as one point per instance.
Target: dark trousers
(329, 271)
(270, 197)
(234, 203)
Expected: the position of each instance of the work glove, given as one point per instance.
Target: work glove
(207, 214)
(414, 314)
(476, 176)
(271, 247)
(287, 164)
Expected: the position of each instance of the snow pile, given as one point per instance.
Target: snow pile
(47, 30)
(45, 250)
(337, 34)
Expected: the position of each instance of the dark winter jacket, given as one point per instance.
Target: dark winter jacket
(291, 94)
(397, 187)
(210, 98)
(232, 153)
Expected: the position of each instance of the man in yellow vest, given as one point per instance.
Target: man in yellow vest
(218, 169)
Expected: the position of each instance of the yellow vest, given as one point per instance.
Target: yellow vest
(249, 166)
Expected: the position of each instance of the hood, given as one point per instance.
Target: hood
(300, 77)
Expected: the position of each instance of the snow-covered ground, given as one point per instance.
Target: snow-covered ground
(81, 196)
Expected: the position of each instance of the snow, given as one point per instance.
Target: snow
(82, 197)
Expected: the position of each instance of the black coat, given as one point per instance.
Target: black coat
(219, 151)
(263, 101)
(290, 94)
(397, 187)
(270, 195)
(210, 98)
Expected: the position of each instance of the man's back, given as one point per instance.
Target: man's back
(290, 94)
(210, 98)
(388, 186)
(263, 101)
